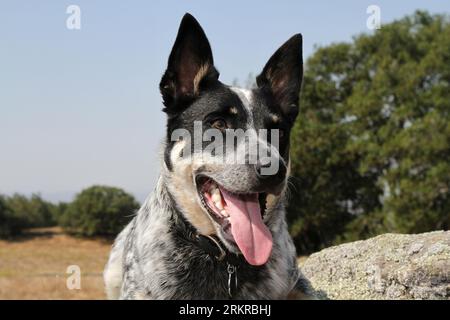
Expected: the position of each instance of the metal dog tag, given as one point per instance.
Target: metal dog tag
(231, 271)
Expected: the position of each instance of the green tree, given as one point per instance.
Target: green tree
(33, 211)
(10, 225)
(58, 210)
(99, 210)
(371, 148)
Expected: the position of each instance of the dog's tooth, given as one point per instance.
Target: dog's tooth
(215, 195)
(219, 205)
(224, 213)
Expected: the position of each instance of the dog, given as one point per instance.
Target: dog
(215, 229)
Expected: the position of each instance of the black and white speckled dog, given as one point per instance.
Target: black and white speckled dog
(214, 230)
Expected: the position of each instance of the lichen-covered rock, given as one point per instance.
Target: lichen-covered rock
(390, 266)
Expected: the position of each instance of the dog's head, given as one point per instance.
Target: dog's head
(225, 173)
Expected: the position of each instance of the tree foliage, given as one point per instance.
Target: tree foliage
(19, 212)
(10, 225)
(99, 210)
(371, 148)
(33, 212)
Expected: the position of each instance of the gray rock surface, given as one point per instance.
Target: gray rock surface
(389, 266)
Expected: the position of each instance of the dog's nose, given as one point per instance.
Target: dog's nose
(266, 170)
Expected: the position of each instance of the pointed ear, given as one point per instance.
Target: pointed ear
(282, 76)
(190, 66)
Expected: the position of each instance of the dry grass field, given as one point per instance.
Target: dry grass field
(34, 266)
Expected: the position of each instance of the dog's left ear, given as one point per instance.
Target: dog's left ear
(190, 67)
(282, 76)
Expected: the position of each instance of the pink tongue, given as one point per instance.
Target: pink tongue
(249, 231)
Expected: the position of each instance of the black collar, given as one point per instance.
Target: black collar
(215, 248)
(211, 245)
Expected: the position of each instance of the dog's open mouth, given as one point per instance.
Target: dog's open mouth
(240, 217)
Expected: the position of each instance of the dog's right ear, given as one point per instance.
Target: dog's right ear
(190, 68)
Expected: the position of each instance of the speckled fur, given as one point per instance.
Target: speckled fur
(155, 257)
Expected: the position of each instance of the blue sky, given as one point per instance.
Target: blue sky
(82, 107)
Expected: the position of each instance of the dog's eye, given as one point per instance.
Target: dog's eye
(219, 124)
